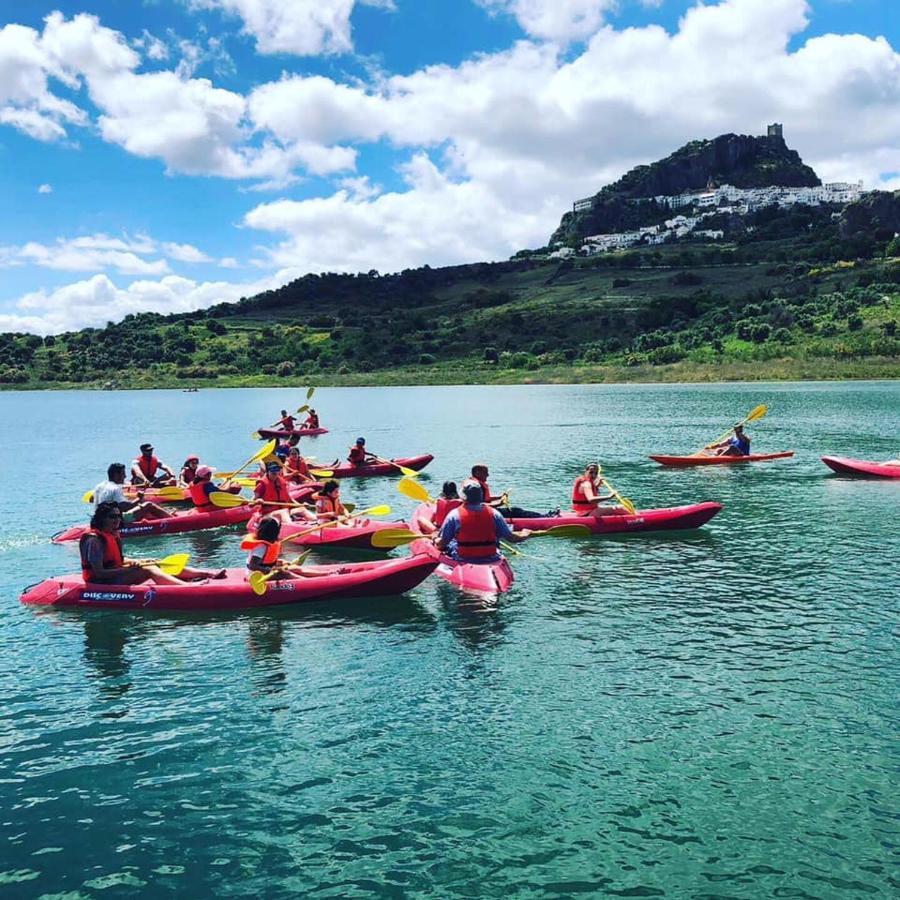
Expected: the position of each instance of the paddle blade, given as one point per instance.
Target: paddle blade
(174, 564)
(303, 409)
(258, 583)
(255, 436)
(267, 450)
(87, 497)
(757, 413)
(629, 506)
(246, 482)
(169, 493)
(413, 490)
(565, 531)
(390, 538)
(321, 473)
(309, 393)
(225, 500)
(383, 510)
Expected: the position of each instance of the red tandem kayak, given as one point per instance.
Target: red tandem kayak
(281, 434)
(480, 578)
(862, 467)
(665, 519)
(699, 460)
(338, 536)
(185, 520)
(382, 578)
(348, 470)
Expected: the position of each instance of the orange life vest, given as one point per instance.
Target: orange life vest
(443, 508)
(112, 552)
(326, 504)
(198, 494)
(580, 503)
(357, 454)
(273, 491)
(293, 469)
(477, 536)
(148, 467)
(273, 548)
(188, 475)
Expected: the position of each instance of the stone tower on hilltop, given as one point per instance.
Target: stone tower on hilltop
(775, 130)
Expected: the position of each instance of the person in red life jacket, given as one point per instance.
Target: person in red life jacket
(287, 422)
(273, 489)
(358, 455)
(312, 419)
(103, 561)
(586, 498)
(189, 469)
(202, 486)
(146, 468)
(112, 491)
(295, 468)
(480, 475)
(473, 531)
(265, 551)
(328, 502)
(447, 501)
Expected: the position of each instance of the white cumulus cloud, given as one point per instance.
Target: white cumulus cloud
(554, 20)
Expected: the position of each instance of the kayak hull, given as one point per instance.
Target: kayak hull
(477, 578)
(671, 518)
(861, 468)
(281, 434)
(348, 470)
(185, 520)
(356, 537)
(682, 461)
(382, 578)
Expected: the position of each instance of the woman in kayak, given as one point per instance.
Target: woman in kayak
(447, 501)
(103, 561)
(737, 445)
(189, 470)
(586, 499)
(295, 468)
(328, 502)
(265, 551)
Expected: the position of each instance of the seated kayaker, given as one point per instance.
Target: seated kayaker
(103, 561)
(479, 475)
(328, 502)
(273, 489)
(287, 422)
(202, 486)
(472, 532)
(312, 419)
(586, 498)
(447, 501)
(358, 454)
(265, 551)
(295, 468)
(112, 491)
(737, 445)
(189, 469)
(146, 469)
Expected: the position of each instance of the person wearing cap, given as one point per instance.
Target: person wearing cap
(737, 445)
(472, 532)
(479, 475)
(287, 422)
(586, 498)
(189, 469)
(145, 469)
(312, 419)
(202, 486)
(112, 491)
(273, 489)
(358, 455)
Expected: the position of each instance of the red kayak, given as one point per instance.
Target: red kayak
(348, 470)
(355, 536)
(862, 468)
(478, 578)
(281, 434)
(698, 459)
(185, 520)
(617, 522)
(382, 578)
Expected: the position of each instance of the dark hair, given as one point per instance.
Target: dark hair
(293, 440)
(102, 512)
(449, 492)
(329, 486)
(284, 412)
(268, 528)
(113, 468)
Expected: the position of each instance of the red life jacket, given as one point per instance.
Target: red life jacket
(357, 454)
(112, 552)
(148, 467)
(292, 468)
(287, 423)
(477, 536)
(312, 421)
(579, 503)
(443, 508)
(273, 491)
(485, 489)
(326, 504)
(198, 494)
(187, 475)
(273, 548)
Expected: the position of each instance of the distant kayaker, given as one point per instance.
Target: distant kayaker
(112, 491)
(312, 419)
(328, 502)
(472, 532)
(146, 468)
(189, 469)
(479, 475)
(265, 551)
(586, 498)
(287, 422)
(103, 560)
(295, 468)
(358, 454)
(737, 445)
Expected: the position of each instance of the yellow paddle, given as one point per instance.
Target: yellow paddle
(414, 490)
(756, 413)
(224, 500)
(393, 537)
(624, 501)
(267, 450)
(259, 581)
(409, 473)
(383, 510)
(171, 565)
(163, 493)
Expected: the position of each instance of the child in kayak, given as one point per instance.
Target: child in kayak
(447, 501)
(328, 502)
(358, 454)
(295, 468)
(265, 552)
(312, 419)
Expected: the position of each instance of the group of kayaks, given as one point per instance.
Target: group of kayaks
(385, 577)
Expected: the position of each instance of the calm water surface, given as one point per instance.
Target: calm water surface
(700, 715)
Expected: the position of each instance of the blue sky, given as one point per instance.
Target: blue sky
(169, 154)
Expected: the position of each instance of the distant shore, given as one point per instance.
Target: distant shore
(814, 369)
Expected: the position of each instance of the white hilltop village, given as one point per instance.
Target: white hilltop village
(699, 206)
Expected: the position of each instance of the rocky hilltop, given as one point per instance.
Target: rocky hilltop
(737, 159)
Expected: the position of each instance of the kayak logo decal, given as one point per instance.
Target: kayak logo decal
(281, 585)
(130, 530)
(108, 596)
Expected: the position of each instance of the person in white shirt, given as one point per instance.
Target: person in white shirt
(112, 491)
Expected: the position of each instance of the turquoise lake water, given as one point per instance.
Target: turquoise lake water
(703, 715)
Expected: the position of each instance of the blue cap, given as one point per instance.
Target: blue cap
(273, 467)
(282, 451)
(360, 440)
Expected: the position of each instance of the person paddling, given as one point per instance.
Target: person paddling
(103, 560)
(146, 468)
(472, 532)
(358, 454)
(296, 469)
(111, 491)
(312, 419)
(202, 486)
(328, 502)
(586, 498)
(737, 445)
(265, 551)
(273, 489)
(479, 475)
(287, 422)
